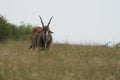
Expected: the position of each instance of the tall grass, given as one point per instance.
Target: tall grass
(61, 62)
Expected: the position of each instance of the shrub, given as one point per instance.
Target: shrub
(11, 31)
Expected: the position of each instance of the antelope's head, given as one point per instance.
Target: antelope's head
(45, 32)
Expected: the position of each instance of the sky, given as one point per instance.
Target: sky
(75, 21)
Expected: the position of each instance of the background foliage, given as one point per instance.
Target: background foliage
(11, 31)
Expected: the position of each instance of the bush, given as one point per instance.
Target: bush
(4, 32)
(11, 31)
(24, 31)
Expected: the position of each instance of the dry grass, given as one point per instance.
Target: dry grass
(62, 62)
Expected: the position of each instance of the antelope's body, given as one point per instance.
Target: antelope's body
(34, 37)
(41, 37)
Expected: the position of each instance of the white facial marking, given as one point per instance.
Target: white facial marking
(46, 33)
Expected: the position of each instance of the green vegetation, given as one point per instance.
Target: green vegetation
(11, 31)
(61, 62)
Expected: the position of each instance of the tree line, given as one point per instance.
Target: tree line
(12, 31)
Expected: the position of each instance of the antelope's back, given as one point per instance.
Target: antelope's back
(36, 29)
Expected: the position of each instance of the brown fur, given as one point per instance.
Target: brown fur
(41, 45)
(35, 36)
(40, 38)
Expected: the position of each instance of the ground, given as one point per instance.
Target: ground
(61, 62)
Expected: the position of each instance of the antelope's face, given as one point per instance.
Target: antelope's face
(45, 33)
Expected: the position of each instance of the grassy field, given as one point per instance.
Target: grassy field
(62, 62)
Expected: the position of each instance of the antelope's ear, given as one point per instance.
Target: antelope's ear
(51, 32)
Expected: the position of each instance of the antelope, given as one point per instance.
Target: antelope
(41, 36)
